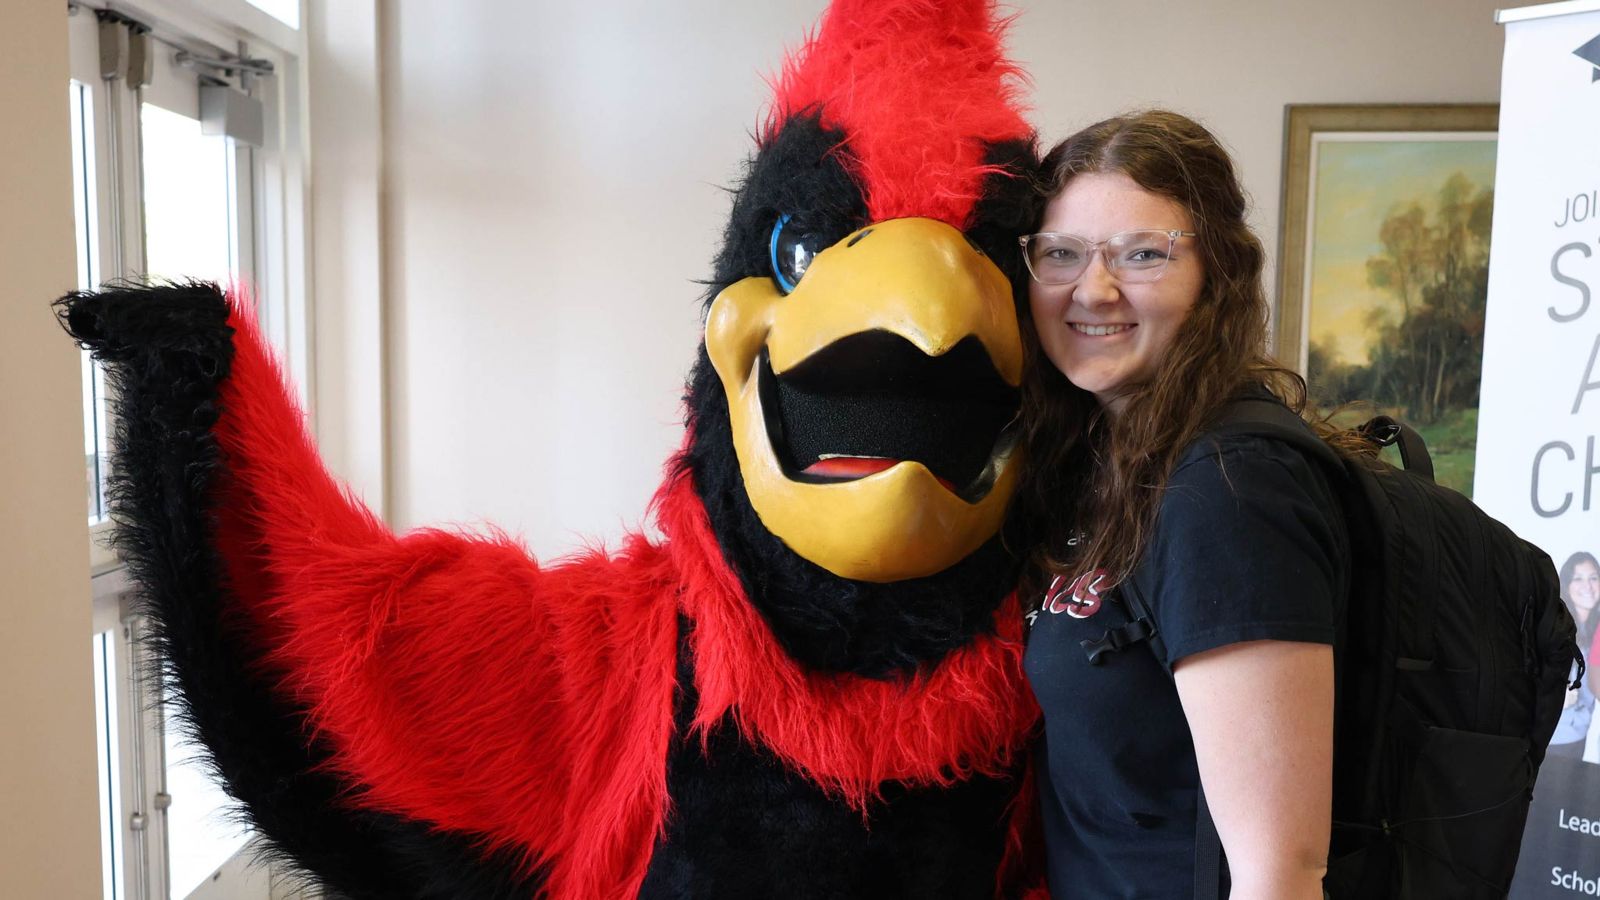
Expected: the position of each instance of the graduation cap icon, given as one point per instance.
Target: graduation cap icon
(1590, 53)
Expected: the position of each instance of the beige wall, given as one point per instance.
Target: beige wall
(1234, 64)
(552, 192)
(49, 845)
(346, 227)
(553, 173)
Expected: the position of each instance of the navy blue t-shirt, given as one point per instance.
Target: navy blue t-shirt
(1248, 544)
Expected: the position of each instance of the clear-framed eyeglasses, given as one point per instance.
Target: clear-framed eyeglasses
(1133, 257)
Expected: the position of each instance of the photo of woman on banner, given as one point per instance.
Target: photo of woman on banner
(1580, 590)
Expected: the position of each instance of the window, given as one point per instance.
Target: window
(190, 182)
(108, 772)
(169, 183)
(86, 232)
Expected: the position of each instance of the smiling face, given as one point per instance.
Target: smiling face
(1584, 588)
(1107, 336)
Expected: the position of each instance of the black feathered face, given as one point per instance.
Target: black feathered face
(854, 411)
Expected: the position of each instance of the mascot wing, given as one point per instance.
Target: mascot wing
(405, 715)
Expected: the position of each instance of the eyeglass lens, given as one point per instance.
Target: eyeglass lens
(1134, 256)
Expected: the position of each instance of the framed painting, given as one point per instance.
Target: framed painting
(1383, 264)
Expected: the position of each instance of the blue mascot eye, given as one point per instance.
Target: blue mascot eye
(792, 250)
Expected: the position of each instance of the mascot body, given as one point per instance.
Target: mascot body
(811, 687)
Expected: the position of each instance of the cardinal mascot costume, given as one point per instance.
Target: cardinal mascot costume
(810, 686)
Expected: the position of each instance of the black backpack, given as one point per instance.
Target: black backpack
(1452, 660)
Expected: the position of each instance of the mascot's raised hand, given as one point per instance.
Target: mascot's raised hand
(811, 687)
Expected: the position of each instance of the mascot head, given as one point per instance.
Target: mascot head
(854, 408)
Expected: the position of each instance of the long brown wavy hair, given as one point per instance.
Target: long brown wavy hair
(1102, 477)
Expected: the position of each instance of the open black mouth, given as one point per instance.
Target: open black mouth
(873, 399)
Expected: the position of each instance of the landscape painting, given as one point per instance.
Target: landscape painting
(1394, 277)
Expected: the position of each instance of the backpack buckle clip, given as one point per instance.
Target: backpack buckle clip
(1140, 629)
(1381, 430)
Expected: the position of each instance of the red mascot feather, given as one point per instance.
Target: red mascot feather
(810, 688)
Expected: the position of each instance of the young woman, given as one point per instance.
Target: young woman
(1147, 319)
(1580, 590)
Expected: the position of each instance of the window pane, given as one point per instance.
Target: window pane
(109, 769)
(199, 833)
(86, 232)
(188, 208)
(189, 223)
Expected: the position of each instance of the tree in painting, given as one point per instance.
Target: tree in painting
(1425, 350)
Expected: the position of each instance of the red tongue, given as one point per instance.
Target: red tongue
(858, 467)
(850, 466)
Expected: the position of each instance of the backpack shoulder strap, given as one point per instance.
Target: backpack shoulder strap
(1267, 417)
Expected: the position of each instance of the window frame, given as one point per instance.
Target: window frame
(272, 254)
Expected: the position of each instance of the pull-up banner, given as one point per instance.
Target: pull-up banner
(1538, 465)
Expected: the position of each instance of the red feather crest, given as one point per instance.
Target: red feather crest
(919, 88)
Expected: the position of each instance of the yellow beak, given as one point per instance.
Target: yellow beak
(918, 279)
